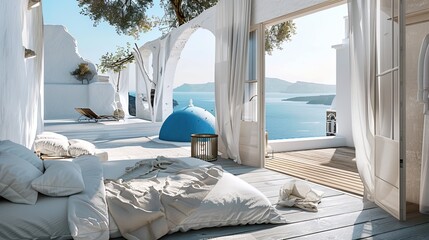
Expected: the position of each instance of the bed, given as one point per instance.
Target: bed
(216, 198)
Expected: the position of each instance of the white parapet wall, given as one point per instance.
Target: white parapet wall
(286, 145)
(71, 96)
(63, 92)
(62, 99)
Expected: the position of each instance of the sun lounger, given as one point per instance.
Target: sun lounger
(88, 115)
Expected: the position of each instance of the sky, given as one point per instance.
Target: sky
(308, 57)
(92, 41)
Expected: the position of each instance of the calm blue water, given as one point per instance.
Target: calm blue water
(284, 119)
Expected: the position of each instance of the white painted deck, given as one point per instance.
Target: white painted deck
(340, 216)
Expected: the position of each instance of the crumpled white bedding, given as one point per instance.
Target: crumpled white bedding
(173, 197)
(149, 208)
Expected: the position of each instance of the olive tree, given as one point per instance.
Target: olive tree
(130, 17)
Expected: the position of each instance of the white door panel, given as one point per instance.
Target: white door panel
(387, 197)
(389, 154)
(387, 157)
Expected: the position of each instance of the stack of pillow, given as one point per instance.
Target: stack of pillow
(56, 145)
(23, 175)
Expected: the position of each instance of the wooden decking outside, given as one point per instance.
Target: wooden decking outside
(333, 167)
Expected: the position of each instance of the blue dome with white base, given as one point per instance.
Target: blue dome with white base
(179, 126)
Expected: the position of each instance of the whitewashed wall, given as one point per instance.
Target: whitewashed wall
(414, 116)
(63, 92)
(101, 98)
(21, 80)
(62, 56)
(61, 99)
(343, 89)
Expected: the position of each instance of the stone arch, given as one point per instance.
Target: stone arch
(166, 54)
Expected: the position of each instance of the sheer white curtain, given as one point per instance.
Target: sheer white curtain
(162, 72)
(362, 59)
(123, 88)
(232, 35)
(142, 67)
(21, 80)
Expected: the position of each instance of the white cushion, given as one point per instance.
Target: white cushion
(61, 178)
(80, 147)
(21, 152)
(231, 202)
(52, 147)
(51, 135)
(16, 175)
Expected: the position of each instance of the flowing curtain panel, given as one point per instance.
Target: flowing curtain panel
(123, 87)
(232, 35)
(21, 79)
(162, 72)
(423, 96)
(143, 83)
(363, 66)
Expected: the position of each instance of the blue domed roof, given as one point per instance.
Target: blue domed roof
(179, 126)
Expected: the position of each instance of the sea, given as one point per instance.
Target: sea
(284, 119)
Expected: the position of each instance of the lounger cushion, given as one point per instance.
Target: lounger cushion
(16, 175)
(52, 147)
(80, 147)
(61, 178)
(21, 152)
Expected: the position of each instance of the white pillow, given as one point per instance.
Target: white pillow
(52, 147)
(80, 147)
(21, 152)
(61, 178)
(51, 135)
(16, 175)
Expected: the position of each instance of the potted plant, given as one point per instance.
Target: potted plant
(82, 72)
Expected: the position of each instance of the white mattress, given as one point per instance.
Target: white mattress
(48, 219)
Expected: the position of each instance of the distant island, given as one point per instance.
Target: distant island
(321, 99)
(273, 85)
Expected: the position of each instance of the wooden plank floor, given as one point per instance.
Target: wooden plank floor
(340, 216)
(333, 167)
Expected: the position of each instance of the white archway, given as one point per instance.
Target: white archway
(166, 53)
